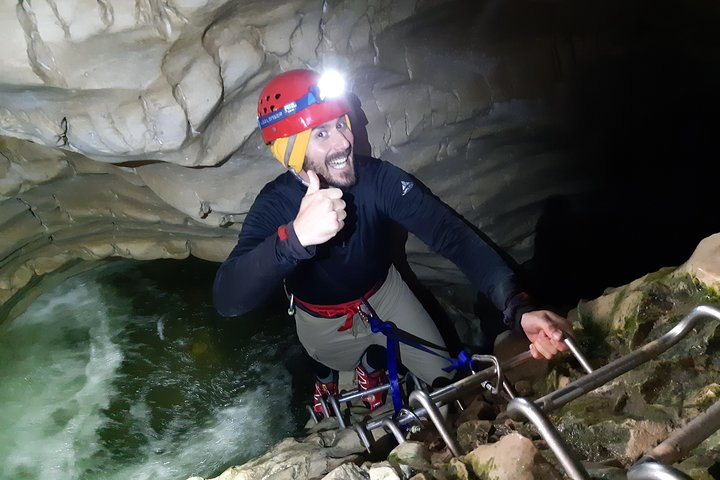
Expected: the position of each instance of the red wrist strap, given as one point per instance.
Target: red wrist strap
(282, 233)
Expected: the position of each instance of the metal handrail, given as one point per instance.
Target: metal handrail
(427, 404)
(644, 470)
(363, 434)
(520, 408)
(336, 409)
(572, 346)
(685, 438)
(439, 397)
(357, 393)
(422, 398)
(654, 471)
(391, 427)
(626, 363)
(444, 395)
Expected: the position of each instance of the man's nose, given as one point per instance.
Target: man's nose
(340, 140)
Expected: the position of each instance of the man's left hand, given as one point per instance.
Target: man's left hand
(546, 331)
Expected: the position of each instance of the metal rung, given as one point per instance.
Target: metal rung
(422, 398)
(685, 438)
(426, 404)
(654, 471)
(533, 411)
(392, 427)
(520, 408)
(575, 350)
(614, 369)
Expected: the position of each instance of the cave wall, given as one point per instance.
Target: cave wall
(577, 137)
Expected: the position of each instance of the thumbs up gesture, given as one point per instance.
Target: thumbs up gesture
(321, 215)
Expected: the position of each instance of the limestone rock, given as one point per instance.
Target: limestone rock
(411, 454)
(644, 435)
(457, 469)
(704, 264)
(384, 473)
(291, 459)
(162, 95)
(472, 434)
(347, 471)
(513, 457)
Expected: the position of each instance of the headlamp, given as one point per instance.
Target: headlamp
(330, 85)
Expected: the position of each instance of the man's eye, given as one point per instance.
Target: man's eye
(321, 134)
(340, 125)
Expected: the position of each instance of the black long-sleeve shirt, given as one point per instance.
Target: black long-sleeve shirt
(351, 263)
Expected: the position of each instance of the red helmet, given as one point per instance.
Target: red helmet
(293, 102)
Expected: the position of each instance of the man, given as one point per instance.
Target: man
(331, 245)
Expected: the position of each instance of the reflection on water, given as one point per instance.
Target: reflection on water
(127, 372)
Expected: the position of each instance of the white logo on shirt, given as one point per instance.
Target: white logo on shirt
(406, 186)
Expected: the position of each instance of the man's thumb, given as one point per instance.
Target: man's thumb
(314, 183)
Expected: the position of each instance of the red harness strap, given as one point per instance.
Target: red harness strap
(348, 308)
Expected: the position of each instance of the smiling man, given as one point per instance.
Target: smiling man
(323, 227)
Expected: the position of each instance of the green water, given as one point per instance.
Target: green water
(127, 372)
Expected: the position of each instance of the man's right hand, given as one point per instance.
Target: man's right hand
(322, 213)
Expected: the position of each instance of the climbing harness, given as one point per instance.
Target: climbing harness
(350, 309)
(394, 337)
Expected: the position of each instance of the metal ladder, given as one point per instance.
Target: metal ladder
(653, 466)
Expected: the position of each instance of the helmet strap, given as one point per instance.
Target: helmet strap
(290, 151)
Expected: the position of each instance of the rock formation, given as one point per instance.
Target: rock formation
(128, 129)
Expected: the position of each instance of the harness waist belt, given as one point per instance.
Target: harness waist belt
(348, 308)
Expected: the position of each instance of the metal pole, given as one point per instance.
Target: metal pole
(323, 405)
(336, 408)
(357, 393)
(624, 364)
(392, 427)
(364, 435)
(654, 471)
(572, 346)
(432, 411)
(520, 408)
(450, 391)
(684, 439)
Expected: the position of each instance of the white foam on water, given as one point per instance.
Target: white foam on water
(237, 428)
(57, 374)
(59, 363)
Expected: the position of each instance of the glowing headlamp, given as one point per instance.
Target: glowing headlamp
(330, 85)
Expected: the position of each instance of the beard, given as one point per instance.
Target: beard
(343, 178)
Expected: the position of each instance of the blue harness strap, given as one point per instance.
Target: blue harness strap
(394, 337)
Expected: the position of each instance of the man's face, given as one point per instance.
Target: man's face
(330, 153)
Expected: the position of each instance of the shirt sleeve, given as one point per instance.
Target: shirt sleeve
(267, 250)
(410, 203)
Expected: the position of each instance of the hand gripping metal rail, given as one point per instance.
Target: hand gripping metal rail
(424, 404)
(649, 467)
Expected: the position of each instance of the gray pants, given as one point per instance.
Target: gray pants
(393, 302)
